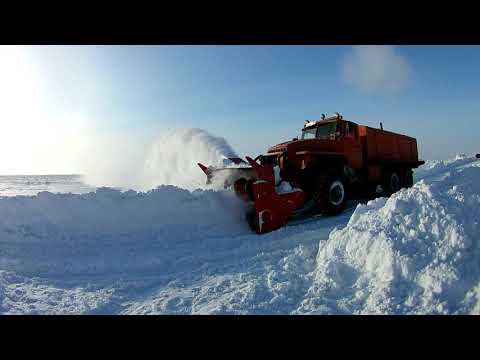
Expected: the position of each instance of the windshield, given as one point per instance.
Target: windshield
(324, 131)
(309, 133)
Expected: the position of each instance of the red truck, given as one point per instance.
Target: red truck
(335, 159)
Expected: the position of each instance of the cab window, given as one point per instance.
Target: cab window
(309, 133)
(349, 129)
(327, 130)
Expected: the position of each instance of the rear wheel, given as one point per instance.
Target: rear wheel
(408, 178)
(372, 191)
(330, 194)
(391, 183)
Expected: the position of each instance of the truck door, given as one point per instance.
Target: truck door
(351, 145)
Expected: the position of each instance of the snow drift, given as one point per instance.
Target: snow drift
(110, 231)
(416, 252)
(433, 169)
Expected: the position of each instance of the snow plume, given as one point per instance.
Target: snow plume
(114, 160)
(173, 158)
(130, 163)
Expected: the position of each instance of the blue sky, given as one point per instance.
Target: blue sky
(254, 96)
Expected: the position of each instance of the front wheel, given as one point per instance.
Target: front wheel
(250, 217)
(330, 194)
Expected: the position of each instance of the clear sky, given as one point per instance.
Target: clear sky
(58, 103)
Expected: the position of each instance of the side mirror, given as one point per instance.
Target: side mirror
(295, 139)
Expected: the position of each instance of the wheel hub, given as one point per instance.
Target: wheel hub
(337, 193)
(394, 182)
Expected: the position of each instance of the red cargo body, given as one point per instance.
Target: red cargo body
(384, 146)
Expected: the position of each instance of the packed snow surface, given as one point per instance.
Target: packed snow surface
(175, 251)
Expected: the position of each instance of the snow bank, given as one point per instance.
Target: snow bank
(416, 252)
(434, 168)
(173, 158)
(109, 230)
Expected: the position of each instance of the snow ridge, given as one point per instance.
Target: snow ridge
(416, 252)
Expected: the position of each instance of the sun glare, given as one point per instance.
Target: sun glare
(33, 139)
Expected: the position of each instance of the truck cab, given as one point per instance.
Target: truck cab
(331, 137)
(344, 137)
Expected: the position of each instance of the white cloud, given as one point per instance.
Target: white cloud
(375, 68)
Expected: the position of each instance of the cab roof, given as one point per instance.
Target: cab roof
(313, 124)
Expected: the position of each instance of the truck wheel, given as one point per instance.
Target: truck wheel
(250, 217)
(372, 191)
(391, 183)
(408, 179)
(330, 194)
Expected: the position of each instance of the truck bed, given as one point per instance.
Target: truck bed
(380, 146)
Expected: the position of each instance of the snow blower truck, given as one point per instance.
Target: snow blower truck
(334, 160)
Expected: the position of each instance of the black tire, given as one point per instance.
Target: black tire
(371, 191)
(391, 182)
(330, 194)
(408, 179)
(250, 217)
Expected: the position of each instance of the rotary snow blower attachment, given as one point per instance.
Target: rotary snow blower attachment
(258, 184)
(334, 160)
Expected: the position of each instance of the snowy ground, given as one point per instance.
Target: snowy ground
(33, 184)
(180, 252)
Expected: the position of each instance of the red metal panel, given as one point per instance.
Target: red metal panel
(387, 146)
(272, 210)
